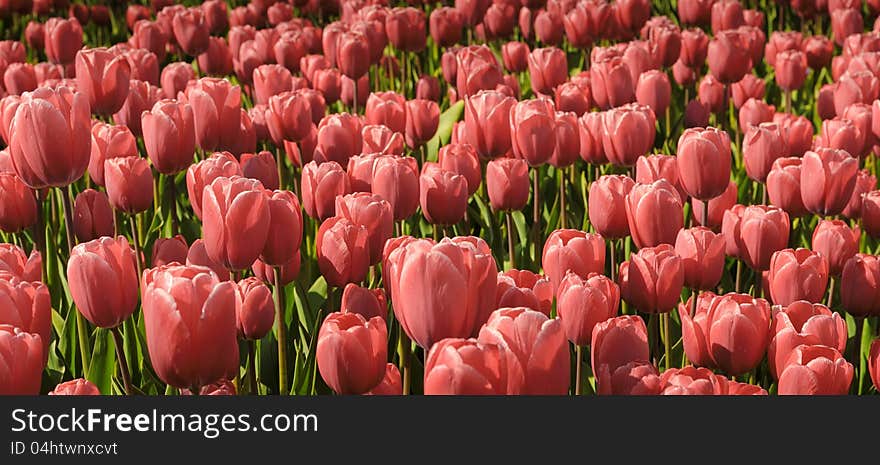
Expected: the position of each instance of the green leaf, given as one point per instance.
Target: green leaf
(103, 361)
(444, 130)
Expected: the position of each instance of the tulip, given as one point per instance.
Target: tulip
(797, 275)
(728, 56)
(791, 70)
(379, 139)
(462, 159)
(256, 313)
(427, 88)
(548, 68)
(754, 112)
(549, 27)
(190, 321)
(19, 78)
(803, 323)
(191, 31)
(443, 195)
(693, 315)
(351, 352)
(763, 230)
(865, 183)
(406, 29)
(14, 262)
(143, 64)
(828, 180)
(655, 167)
(35, 35)
(338, 138)
(236, 221)
(63, 38)
(26, 306)
(845, 22)
(628, 133)
(76, 387)
(321, 184)
(704, 162)
(571, 97)
(388, 108)
(342, 251)
(584, 303)
(784, 186)
(285, 229)
(696, 115)
(396, 179)
(522, 288)
(467, 367)
(289, 117)
(175, 77)
(871, 213)
(445, 25)
(391, 384)
(108, 142)
(538, 344)
(716, 208)
(515, 56)
(149, 35)
(836, 242)
(860, 286)
(270, 80)
(607, 202)
(653, 90)
(611, 83)
(422, 119)
(572, 250)
(167, 250)
(874, 363)
(366, 302)
(18, 207)
(476, 69)
(169, 136)
(652, 279)
(216, 112)
(702, 257)
(662, 33)
(568, 141)
(507, 181)
(487, 126)
(373, 213)
(653, 212)
(856, 87)
(201, 174)
(819, 50)
(691, 381)
(632, 379)
(22, 359)
(712, 94)
(762, 145)
(468, 271)
(260, 166)
(103, 280)
(55, 151)
(749, 87)
(617, 342)
(841, 133)
(733, 329)
(815, 370)
(141, 97)
(129, 183)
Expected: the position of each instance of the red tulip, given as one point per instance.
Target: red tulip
(841, 133)
(18, 207)
(617, 342)
(819, 50)
(476, 69)
(836, 242)
(443, 195)
(865, 182)
(260, 166)
(728, 56)
(321, 184)
(712, 94)
(860, 285)
(351, 352)
(507, 181)
(63, 38)
(390, 385)
(702, 257)
(694, 328)
(285, 229)
(55, 152)
(653, 90)
(256, 312)
(150, 36)
(628, 133)
(696, 115)
(797, 275)
(92, 216)
(803, 323)
(129, 183)
(607, 201)
(396, 179)
(446, 26)
(201, 174)
(289, 117)
(342, 251)
(538, 344)
(754, 112)
(169, 136)
(379, 139)
(175, 77)
(270, 80)
(815, 370)
(35, 35)
(388, 108)
(76, 387)
(14, 262)
(749, 87)
(21, 354)
(338, 138)
(467, 367)
(828, 180)
(655, 167)
(143, 64)
(633, 379)
(352, 54)
(874, 362)
(19, 78)
(26, 306)
(103, 280)
(791, 69)
(108, 142)
(611, 83)
(462, 159)
(736, 331)
(704, 162)
(427, 88)
(548, 68)
(763, 230)
(694, 48)
(572, 97)
(406, 29)
(572, 250)
(167, 250)
(487, 126)
(141, 97)
(549, 27)
(422, 119)
(652, 279)
(216, 112)
(653, 212)
(515, 56)
(235, 215)
(568, 141)
(664, 35)
(373, 213)
(468, 271)
(191, 31)
(584, 303)
(522, 288)
(366, 302)
(762, 145)
(784, 186)
(871, 213)
(190, 322)
(691, 381)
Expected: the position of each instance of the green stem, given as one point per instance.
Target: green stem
(123, 364)
(830, 292)
(579, 360)
(666, 342)
(280, 332)
(510, 249)
(252, 369)
(81, 326)
(404, 349)
(136, 239)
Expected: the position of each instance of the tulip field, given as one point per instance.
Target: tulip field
(468, 197)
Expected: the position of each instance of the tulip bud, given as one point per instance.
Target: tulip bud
(617, 342)
(653, 212)
(487, 126)
(343, 251)
(515, 56)
(611, 83)
(736, 329)
(548, 68)
(652, 279)
(607, 199)
(476, 69)
(338, 138)
(462, 159)
(728, 56)
(445, 26)
(256, 314)
(572, 250)
(584, 303)
(507, 181)
(836, 242)
(828, 180)
(129, 183)
(366, 302)
(628, 133)
(406, 29)
(815, 370)
(522, 288)
(860, 285)
(373, 213)
(285, 229)
(201, 174)
(169, 136)
(18, 206)
(191, 31)
(797, 275)
(712, 94)
(63, 38)
(103, 280)
(321, 184)
(762, 145)
(784, 186)
(802, 323)
(192, 341)
(443, 195)
(702, 257)
(467, 367)
(653, 90)
(791, 69)
(21, 354)
(351, 352)
(704, 162)
(763, 230)
(396, 179)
